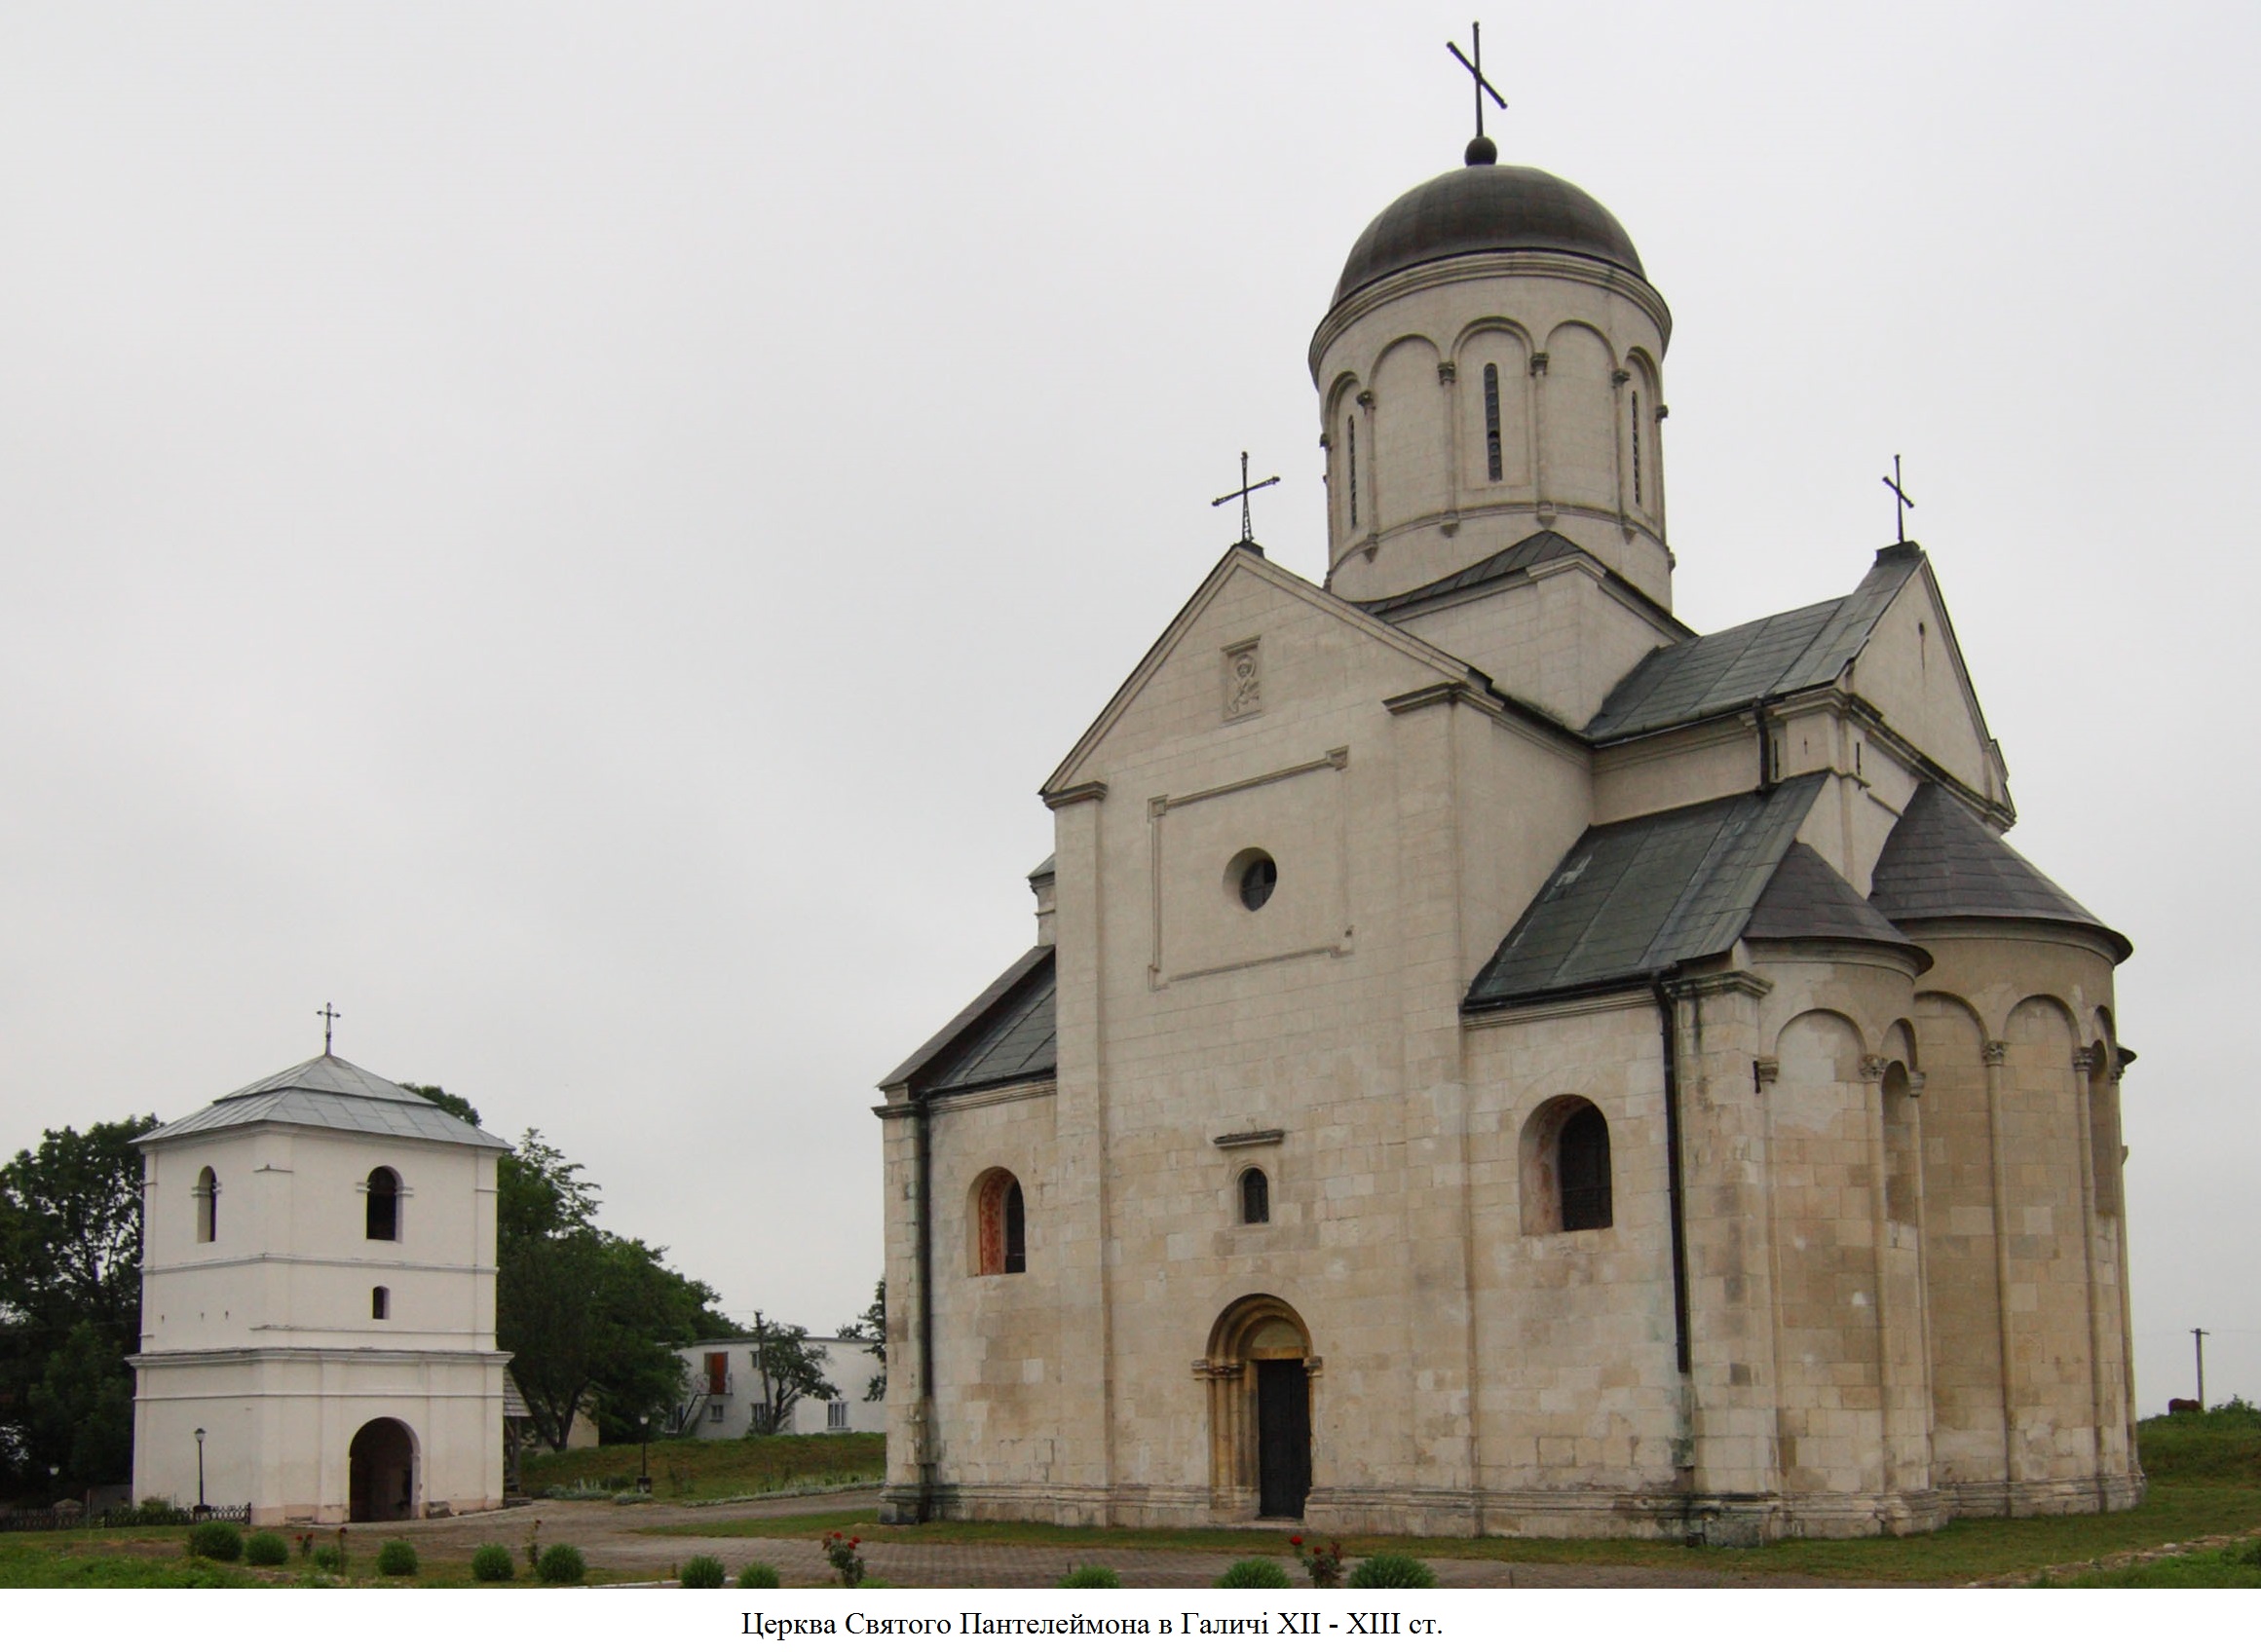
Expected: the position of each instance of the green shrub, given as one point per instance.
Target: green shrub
(266, 1549)
(330, 1558)
(491, 1563)
(756, 1575)
(561, 1562)
(1091, 1577)
(1392, 1571)
(702, 1571)
(396, 1558)
(216, 1540)
(1253, 1574)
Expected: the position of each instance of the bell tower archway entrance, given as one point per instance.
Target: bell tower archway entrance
(1259, 1369)
(381, 1472)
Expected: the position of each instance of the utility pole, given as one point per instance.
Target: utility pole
(2199, 1341)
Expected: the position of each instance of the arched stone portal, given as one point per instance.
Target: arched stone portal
(381, 1472)
(1260, 1370)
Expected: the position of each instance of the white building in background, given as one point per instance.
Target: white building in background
(317, 1305)
(726, 1387)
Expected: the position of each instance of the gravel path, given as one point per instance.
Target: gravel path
(616, 1538)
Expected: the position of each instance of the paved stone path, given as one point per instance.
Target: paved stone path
(617, 1538)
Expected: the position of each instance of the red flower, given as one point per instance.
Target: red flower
(1296, 1541)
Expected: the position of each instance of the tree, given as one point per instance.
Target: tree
(589, 1317)
(71, 1302)
(789, 1371)
(871, 1326)
(446, 1102)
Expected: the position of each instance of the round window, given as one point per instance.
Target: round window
(1259, 876)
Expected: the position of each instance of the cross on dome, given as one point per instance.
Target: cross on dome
(1482, 151)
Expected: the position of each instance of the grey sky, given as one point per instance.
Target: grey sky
(576, 532)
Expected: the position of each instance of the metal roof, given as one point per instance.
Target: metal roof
(1807, 899)
(328, 1093)
(1484, 207)
(1004, 1036)
(1942, 861)
(1807, 648)
(1637, 896)
(1545, 545)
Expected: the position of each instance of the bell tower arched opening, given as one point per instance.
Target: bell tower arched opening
(381, 1472)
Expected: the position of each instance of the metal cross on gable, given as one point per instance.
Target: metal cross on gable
(1475, 69)
(329, 1014)
(1901, 505)
(1241, 492)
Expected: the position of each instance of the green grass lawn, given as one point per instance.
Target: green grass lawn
(687, 1470)
(56, 1560)
(2205, 1481)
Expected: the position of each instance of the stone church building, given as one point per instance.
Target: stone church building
(1495, 1060)
(317, 1305)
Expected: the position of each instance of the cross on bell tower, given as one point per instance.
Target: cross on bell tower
(1482, 151)
(330, 1015)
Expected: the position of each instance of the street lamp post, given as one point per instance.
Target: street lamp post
(644, 1464)
(201, 1507)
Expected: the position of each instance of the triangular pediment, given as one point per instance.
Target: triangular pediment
(1910, 668)
(1239, 564)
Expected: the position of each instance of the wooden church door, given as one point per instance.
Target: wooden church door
(1283, 1423)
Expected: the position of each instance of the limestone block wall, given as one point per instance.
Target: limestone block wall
(1002, 1365)
(1559, 640)
(2030, 1322)
(1577, 1395)
(1843, 1137)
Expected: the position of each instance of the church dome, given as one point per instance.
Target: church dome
(1484, 207)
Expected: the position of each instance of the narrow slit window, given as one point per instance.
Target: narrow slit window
(380, 1303)
(1491, 455)
(207, 1206)
(1636, 447)
(1350, 466)
(1256, 1198)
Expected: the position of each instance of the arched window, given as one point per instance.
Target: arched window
(1351, 467)
(380, 1302)
(1256, 1198)
(384, 1204)
(1582, 1168)
(1000, 1225)
(1493, 467)
(207, 1206)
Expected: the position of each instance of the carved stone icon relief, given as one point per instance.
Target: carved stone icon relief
(1243, 681)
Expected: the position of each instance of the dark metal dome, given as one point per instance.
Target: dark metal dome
(1486, 208)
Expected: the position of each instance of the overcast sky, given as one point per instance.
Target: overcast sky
(577, 532)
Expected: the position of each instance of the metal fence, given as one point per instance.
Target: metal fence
(118, 1519)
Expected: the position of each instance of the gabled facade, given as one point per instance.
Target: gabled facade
(1495, 1060)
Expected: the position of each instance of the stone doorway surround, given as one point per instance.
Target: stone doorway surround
(1249, 1334)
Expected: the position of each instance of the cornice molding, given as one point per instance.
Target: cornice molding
(1472, 267)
